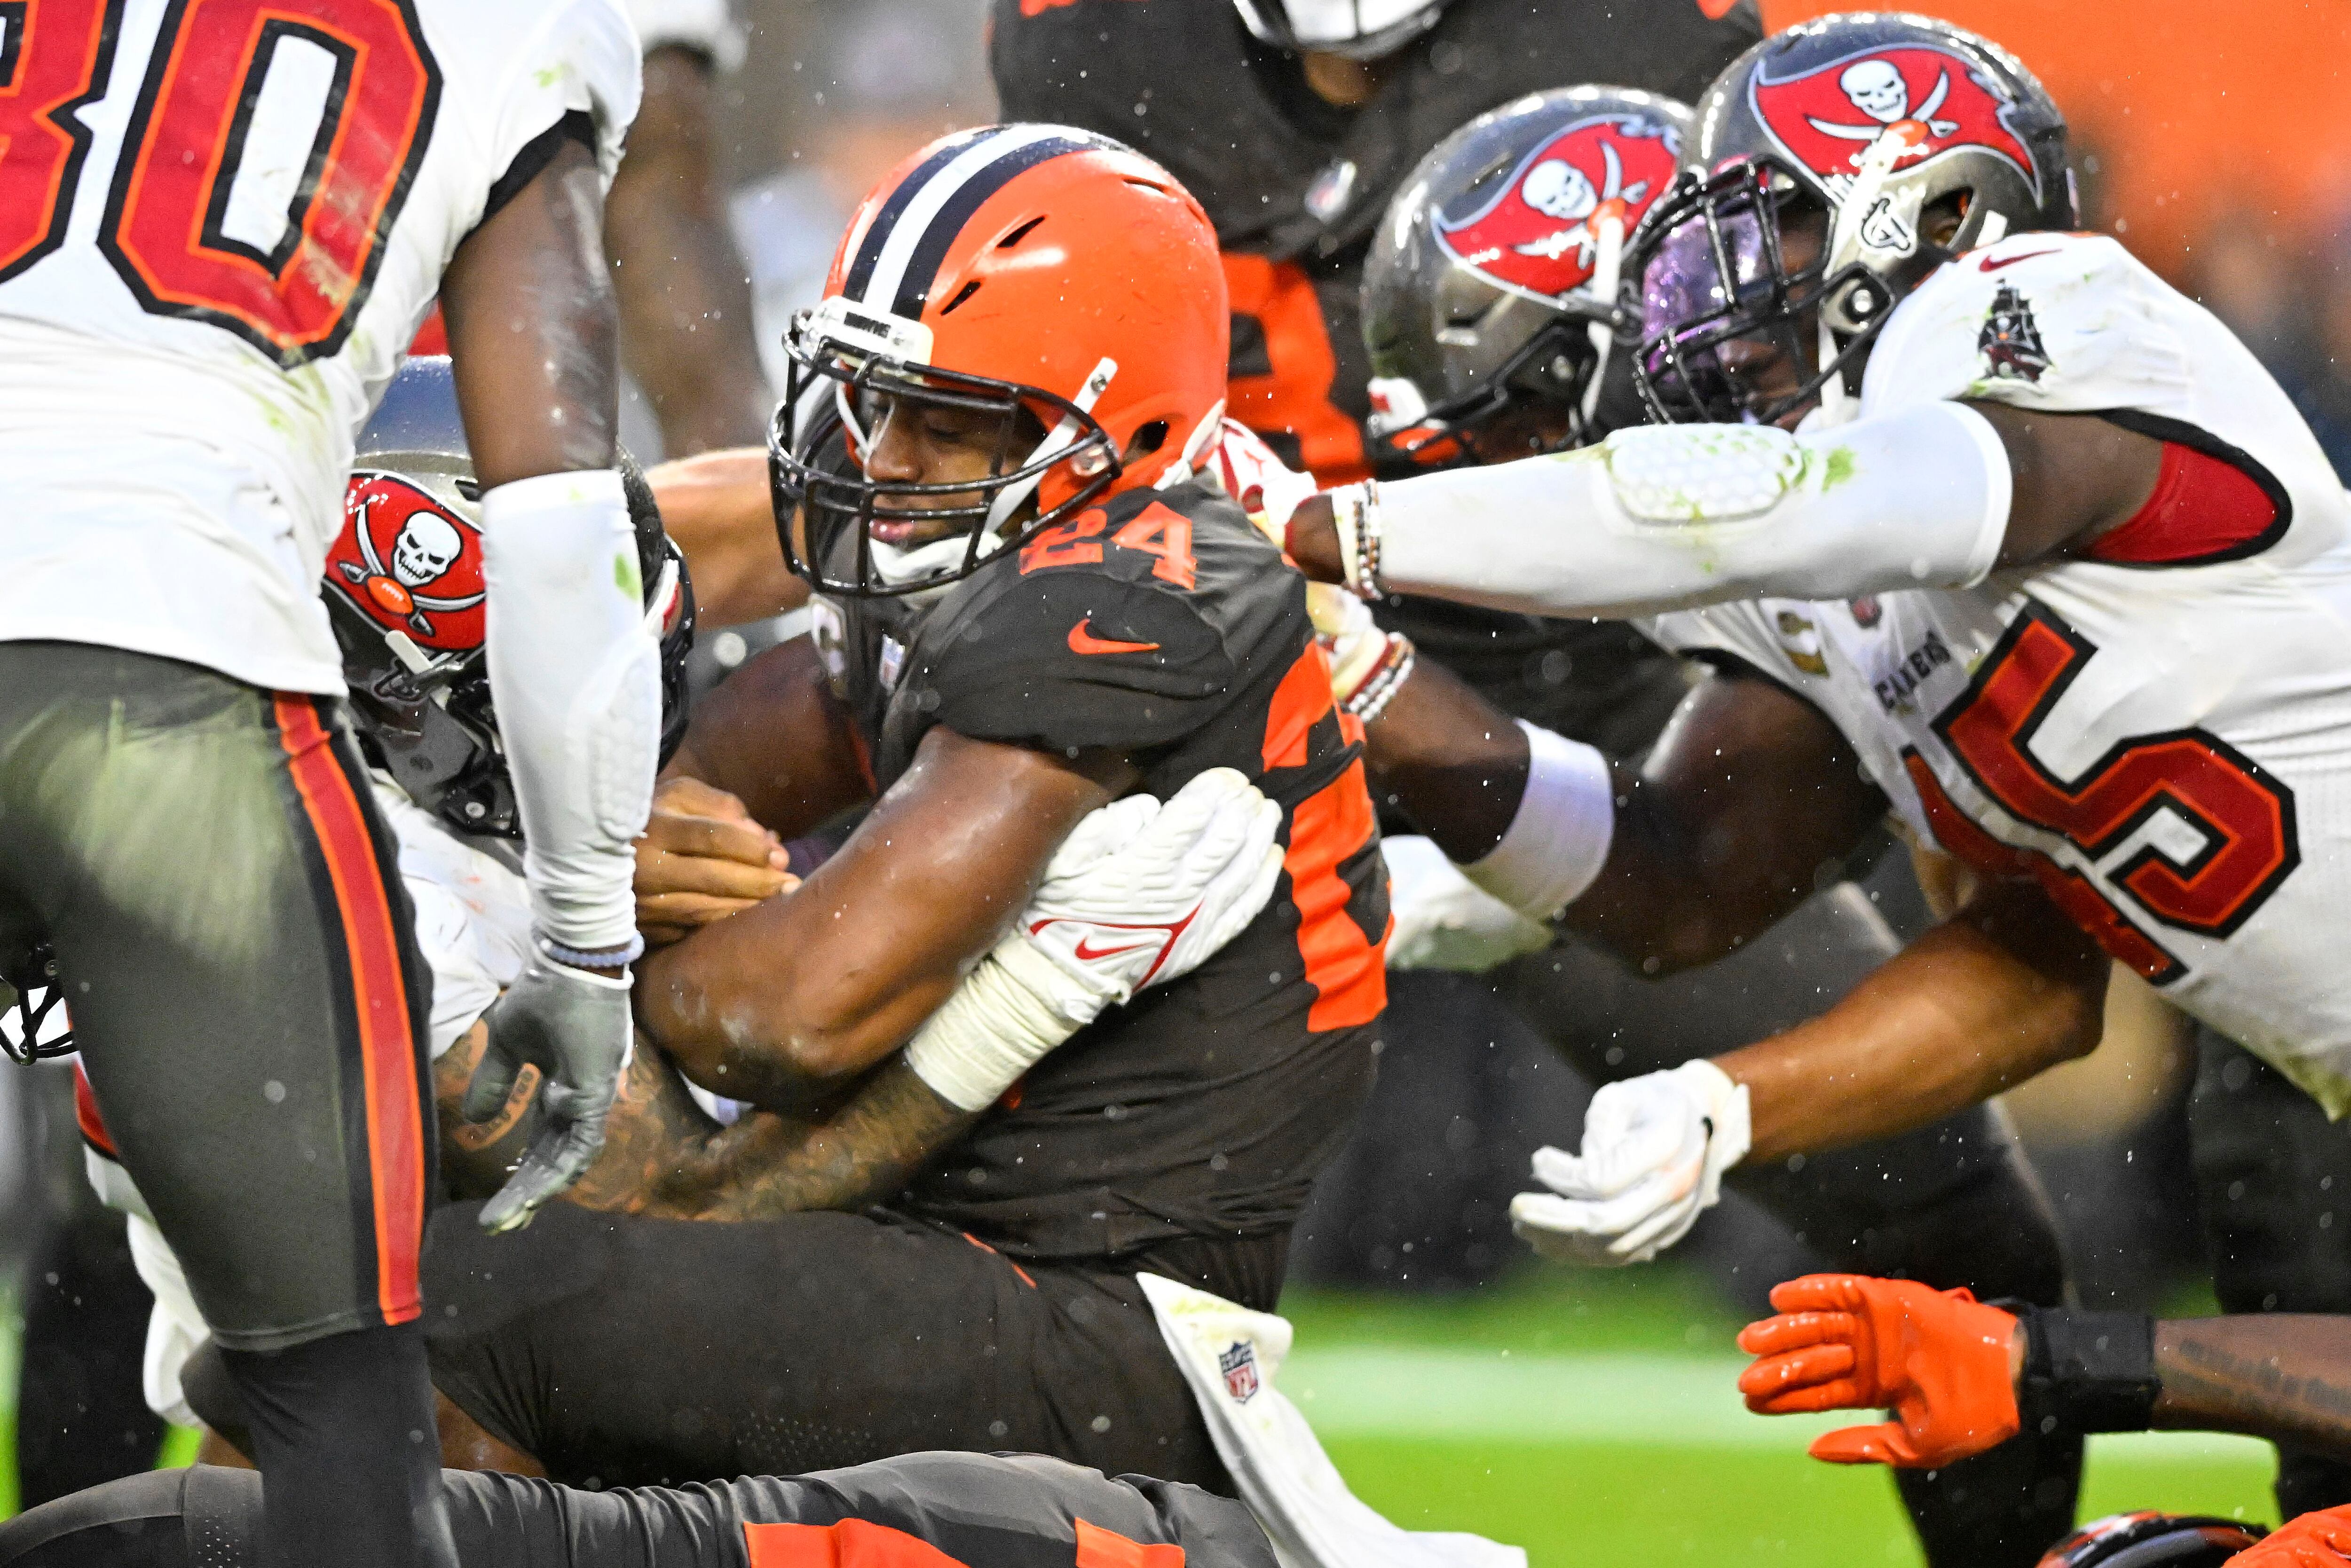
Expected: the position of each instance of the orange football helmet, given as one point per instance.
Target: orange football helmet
(1010, 268)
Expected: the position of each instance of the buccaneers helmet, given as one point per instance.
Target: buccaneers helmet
(1493, 284)
(2150, 1540)
(1045, 278)
(1873, 126)
(406, 594)
(1359, 29)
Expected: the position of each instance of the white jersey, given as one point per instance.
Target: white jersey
(212, 257)
(2166, 749)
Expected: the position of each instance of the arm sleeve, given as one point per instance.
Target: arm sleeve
(1072, 658)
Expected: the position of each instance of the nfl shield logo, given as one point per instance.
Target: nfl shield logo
(1238, 1365)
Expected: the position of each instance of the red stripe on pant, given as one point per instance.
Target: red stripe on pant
(387, 1036)
(86, 1117)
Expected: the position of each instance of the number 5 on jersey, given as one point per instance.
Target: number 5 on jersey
(267, 154)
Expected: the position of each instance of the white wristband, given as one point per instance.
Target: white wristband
(1558, 842)
(1000, 1023)
(575, 676)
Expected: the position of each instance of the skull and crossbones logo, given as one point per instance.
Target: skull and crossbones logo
(1557, 189)
(1875, 88)
(427, 547)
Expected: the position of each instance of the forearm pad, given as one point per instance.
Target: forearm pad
(1012, 1009)
(575, 676)
(1663, 517)
(2087, 1372)
(1559, 840)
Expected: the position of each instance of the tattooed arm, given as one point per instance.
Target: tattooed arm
(664, 1158)
(2281, 1376)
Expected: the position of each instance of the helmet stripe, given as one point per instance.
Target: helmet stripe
(869, 248)
(920, 233)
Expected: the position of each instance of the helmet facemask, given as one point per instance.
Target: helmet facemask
(1050, 458)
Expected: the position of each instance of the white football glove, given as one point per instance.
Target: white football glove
(1246, 468)
(1138, 894)
(1444, 921)
(1655, 1148)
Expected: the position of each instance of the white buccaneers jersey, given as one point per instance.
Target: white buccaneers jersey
(221, 223)
(2165, 748)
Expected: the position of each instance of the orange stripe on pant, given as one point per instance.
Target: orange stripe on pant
(861, 1543)
(387, 1034)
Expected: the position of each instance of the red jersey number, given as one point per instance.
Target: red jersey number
(54, 59)
(283, 258)
(2244, 819)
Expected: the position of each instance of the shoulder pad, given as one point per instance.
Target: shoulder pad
(2066, 322)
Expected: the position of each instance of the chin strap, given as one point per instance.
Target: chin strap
(1607, 272)
(1009, 499)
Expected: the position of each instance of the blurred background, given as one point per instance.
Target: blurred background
(1458, 1384)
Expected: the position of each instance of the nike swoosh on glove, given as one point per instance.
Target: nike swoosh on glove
(576, 1028)
(1655, 1148)
(1142, 893)
(1939, 1359)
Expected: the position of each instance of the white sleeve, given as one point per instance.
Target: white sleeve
(575, 674)
(1668, 516)
(582, 57)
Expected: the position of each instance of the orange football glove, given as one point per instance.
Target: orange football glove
(1845, 1342)
(2321, 1540)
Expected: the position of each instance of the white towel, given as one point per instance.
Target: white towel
(1229, 1355)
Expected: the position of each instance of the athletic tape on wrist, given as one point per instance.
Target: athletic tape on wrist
(2087, 1372)
(1558, 842)
(998, 1023)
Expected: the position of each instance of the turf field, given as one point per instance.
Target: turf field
(1586, 1417)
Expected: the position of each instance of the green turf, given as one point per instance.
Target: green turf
(1480, 1412)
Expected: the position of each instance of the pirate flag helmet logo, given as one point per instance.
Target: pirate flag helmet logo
(409, 562)
(1917, 103)
(1832, 167)
(1540, 232)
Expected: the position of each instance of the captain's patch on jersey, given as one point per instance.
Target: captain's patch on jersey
(2011, 340)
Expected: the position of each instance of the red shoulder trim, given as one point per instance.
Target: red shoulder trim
(2211, 503)
(86, 1117)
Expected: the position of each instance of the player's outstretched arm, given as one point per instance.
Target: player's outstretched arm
(718, 507)
(574, 670)
(685, 298)
(1717, 834)
(1673, 517)
(1961, 1375)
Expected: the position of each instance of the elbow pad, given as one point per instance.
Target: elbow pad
(575, 677)
(1559, 840)
(1672, 516)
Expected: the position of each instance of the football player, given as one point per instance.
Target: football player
(982, 1510)
(193, 327)
(404, 589)
(1032, 607)
(1953, 1203)
(2063, 569)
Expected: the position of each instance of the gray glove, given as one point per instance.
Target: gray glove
(575, 1028)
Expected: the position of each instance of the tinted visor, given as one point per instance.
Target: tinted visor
(1714, 273)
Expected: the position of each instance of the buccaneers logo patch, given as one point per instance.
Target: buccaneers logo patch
(1539, 233)
(2011, 340)
(1929, 100)
(409, 563)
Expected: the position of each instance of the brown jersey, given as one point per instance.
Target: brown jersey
(1162, 625)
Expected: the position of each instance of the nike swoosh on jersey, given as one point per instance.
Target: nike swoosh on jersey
(1087, 954)
(1084, 641)
(1993, 263)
